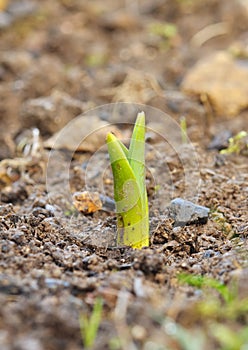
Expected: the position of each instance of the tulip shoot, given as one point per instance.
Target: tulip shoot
(128, 167)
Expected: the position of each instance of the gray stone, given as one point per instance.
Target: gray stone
(5, 19)
(186, 213)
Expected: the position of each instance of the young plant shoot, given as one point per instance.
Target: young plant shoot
(128, 167)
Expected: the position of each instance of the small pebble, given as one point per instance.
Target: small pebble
(54, 283)
(138, 332)
(186, 213)
(208, 253)
(220, 141)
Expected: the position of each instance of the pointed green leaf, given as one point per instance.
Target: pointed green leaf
(131, 225)
(136, 157)
(136, 154)
(124, 177)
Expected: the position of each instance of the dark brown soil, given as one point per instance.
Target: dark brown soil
(59, 59)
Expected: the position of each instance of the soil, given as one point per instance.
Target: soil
(60, 59)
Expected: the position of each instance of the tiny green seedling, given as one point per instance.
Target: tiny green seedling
(166, 34)
(207, 282)
(236, 144)
(89, 325)
(164, 30)
(128, 167)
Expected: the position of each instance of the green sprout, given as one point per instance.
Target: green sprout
(236, 144)
(95, 59)
(165, 30)
(128, 167)
(200, 282)
(89, 325)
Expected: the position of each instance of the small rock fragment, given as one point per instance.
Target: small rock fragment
(186, 213)
(53, 283)
(5, 20)
(220, 140)
(90, 202)
(87, 202)
(18, 237)
(6, 209)
(108, 204)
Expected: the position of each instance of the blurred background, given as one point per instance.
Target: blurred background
(60, 58)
